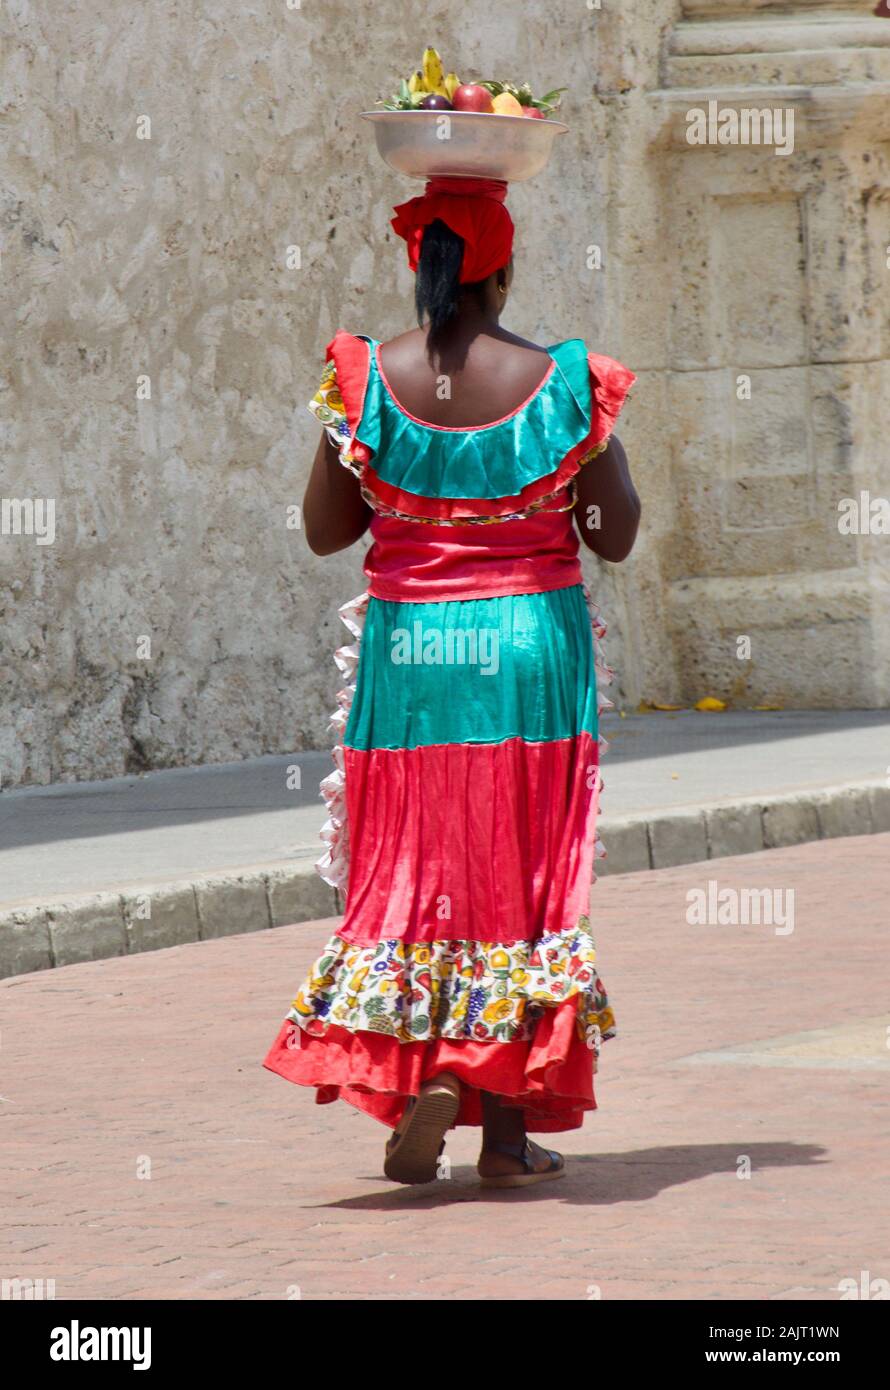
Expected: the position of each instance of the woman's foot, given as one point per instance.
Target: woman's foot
(412, 1153)
(508, 1157)
(518, 1165)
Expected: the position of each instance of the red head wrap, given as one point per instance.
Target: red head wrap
(474, 208)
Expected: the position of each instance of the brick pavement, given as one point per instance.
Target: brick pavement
(255, 1191)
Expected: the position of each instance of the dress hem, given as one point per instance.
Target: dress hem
(549, 1078)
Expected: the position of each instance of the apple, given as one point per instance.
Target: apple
(534, 112)
(471, 97)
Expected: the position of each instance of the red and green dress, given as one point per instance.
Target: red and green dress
(463, 805)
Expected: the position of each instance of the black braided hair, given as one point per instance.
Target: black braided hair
(437, 287)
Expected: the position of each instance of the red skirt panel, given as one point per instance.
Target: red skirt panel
(549, 1077)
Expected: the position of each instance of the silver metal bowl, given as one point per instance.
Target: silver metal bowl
(467, 144)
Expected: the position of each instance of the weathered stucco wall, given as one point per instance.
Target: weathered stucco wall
(758, 314)
(132, 263)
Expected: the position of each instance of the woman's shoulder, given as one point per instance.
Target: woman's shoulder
(518, 360)
(510, 361)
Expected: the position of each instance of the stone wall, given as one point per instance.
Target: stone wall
(158, 163)
(760, 312)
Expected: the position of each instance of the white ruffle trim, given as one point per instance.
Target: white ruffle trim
(334, 863)
(604, 675)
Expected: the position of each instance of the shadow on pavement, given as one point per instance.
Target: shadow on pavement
(597, 1179)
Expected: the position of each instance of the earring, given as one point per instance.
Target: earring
(502, 289)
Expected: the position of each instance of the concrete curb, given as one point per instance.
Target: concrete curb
(149, 917)
(743, 826)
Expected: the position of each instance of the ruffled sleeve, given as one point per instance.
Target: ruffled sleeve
(610, 383)
(330, 412)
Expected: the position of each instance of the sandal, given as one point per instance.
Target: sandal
(556, 1167)
(412, 1154)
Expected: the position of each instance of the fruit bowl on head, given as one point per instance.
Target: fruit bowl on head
(464, 144)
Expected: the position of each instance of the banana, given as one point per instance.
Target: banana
(433, 73)
(452, 82)
(415, 82)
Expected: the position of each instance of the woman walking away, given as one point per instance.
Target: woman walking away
(461, 987)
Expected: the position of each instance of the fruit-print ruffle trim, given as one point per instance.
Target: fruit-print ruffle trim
(479, 990)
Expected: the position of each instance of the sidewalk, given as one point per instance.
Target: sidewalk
(226, 848)
(148, 1154)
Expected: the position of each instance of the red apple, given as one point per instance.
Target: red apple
(535, 112)
(471, 97)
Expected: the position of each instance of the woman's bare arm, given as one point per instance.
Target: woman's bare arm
(335, 515)
(607, 512)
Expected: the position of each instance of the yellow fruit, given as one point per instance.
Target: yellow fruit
(433, 72)
(452, 82)
(505, 104)
(415, 82)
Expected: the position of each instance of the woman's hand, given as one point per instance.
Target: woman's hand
(607, 512)
(335, 515)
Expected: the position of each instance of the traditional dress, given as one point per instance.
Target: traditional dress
(463, 807)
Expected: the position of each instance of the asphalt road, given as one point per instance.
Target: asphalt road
(79, 837)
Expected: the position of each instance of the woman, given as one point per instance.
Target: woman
(461, 986)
